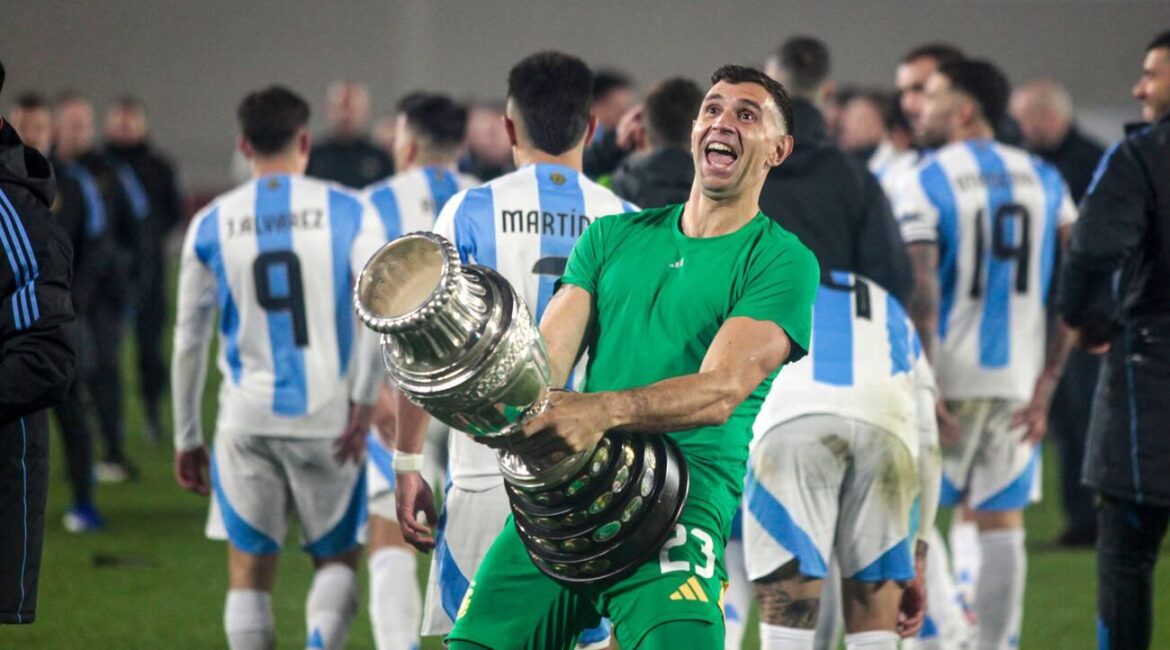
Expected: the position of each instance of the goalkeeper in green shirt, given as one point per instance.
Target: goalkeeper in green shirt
(687, 312)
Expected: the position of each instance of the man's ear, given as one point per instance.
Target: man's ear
(245, 147)
(412, 151)
(510, 127)
(304, 142)
(591, 128)
(783, 149)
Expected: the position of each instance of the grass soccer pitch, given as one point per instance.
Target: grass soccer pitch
(151, 580)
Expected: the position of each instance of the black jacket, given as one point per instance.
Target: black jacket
(159, 185)
(836, 207)
(36, 313)
(354, 163)
(1125, 225)
(661, 177)
(1076, 157)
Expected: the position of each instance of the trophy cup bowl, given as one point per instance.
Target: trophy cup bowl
(459, 342)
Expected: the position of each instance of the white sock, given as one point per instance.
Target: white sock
(247, 620)
(965, 558)
(875, 640)
(737, 600)
(999, 601)
(830, 620)
(395, 604)
(331, 605)
(947, 623)
(775, 637)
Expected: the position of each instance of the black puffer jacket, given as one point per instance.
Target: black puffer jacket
(662, 177)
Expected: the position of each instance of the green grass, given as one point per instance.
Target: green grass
(167, 591)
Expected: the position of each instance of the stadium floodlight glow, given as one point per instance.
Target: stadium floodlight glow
(459, 342)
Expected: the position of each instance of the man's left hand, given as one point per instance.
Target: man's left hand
(1034, 416)
(912, 608)
(572, 422)
(351, 444)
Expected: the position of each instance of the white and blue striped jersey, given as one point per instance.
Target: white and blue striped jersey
(277, 258)
(995, 212)
(524, 225)
(411, 200)
(865, 363)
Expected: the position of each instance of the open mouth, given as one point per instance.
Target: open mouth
(719, 154)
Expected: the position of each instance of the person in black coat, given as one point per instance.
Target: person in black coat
(1125, 226)
(346, 155)
(36, 361)
(664, 174)
(824, 196)
(1044, 111)
(150, 182)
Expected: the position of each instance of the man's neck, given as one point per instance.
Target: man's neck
(705, 216)
(451, 164)
(977, 131)
(573, 158)
(280, 165)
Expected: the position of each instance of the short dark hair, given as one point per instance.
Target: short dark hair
(436, 118)
(738, 74)
(270, 118)
(552, 92)
(984, 83)
(129, 103)
(669, 110)
(32, 101)
(607, 80)
(1161, 40)
(806, 60)
(943, 53)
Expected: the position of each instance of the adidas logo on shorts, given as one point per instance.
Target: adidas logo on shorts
(690, 590)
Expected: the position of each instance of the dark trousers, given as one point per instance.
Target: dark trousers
(24, 485)
(78, 444)
(1069, 420)
(106, 324)
(1129, 536)
(149, 319)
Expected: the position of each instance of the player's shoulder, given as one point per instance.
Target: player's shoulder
(776, 243)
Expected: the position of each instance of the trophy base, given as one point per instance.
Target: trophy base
(609, 517)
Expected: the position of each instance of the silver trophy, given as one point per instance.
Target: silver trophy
(458, 341)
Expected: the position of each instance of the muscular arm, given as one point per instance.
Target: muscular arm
(924, 299)
(565, 321)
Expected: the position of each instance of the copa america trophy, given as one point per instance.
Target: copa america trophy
(458, 341)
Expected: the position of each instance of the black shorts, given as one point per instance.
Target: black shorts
(24, 478)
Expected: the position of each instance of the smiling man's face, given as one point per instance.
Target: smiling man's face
(736, 138)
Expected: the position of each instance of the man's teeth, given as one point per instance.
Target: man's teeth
(719, 147)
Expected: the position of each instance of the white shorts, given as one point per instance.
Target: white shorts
(258, 481)
(468, 525)
(991, 466)
(380, 479)
(820, 486)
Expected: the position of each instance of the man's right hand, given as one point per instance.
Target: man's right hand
(412, 494)
(191, 470)
(949, 429)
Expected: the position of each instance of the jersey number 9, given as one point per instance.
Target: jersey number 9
(279, 287)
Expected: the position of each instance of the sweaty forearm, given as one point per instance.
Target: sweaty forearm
(676, 404)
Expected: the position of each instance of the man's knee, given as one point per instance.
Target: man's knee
(673, 635)
(989, 520)
(789, 599)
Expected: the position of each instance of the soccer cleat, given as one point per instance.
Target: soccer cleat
(83, 518)
(109, 472)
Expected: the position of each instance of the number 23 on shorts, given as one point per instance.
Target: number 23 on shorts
(705, 569)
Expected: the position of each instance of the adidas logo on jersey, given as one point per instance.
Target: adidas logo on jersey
(678, 264)
(690, 590)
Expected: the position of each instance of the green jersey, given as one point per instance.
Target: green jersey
(659, 298)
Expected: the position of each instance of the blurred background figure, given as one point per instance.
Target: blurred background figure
(489, 153)
(33, 120)
(151, 184)
(613, 97)
(104, 283)
(345, 154)
(662, 174)
(1044, 111)
(824, 196)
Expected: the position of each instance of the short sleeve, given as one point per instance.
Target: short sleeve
(917, 214)
(584, 266)
(781, 288)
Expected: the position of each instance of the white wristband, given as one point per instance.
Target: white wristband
(404, 462)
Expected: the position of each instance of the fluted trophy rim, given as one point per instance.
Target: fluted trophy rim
(446, 287)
